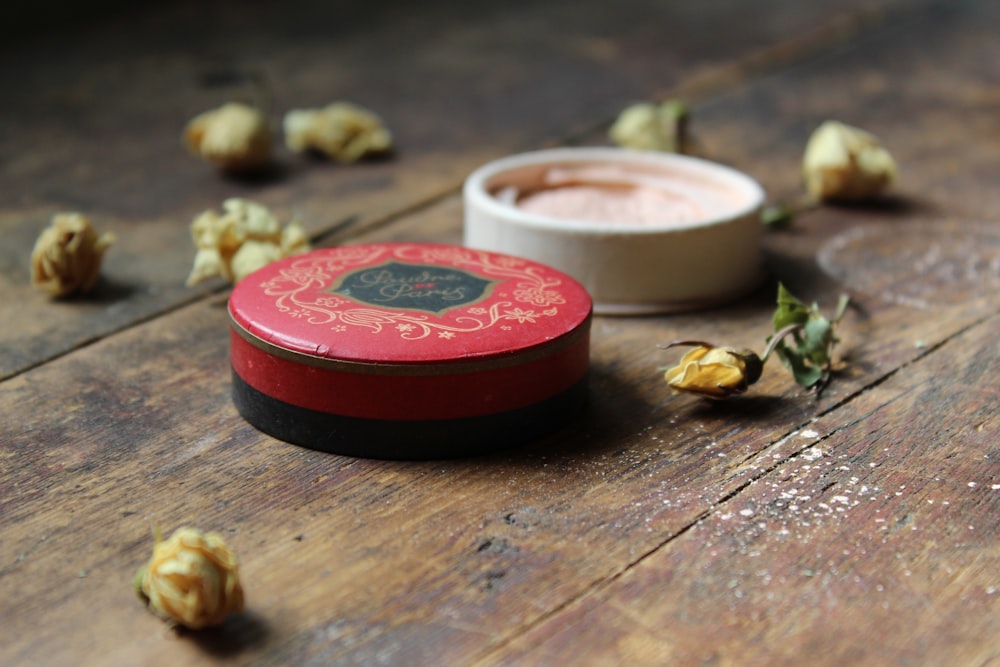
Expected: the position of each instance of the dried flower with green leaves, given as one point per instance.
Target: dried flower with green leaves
(810, 355)
(719, 372)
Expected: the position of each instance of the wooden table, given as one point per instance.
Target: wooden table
(857, 528)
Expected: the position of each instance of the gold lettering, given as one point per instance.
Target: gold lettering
(392, 292)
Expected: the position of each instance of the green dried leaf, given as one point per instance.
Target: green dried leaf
(777, 216)
(808, 352)
(817, 340)
(841, 307)
(675, 108)
(805, 374)
(790, 310)
(140, 574)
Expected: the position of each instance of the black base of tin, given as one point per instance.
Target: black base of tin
(407, 440)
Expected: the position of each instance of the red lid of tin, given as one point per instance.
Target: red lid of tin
(409, 350)
(407, 303)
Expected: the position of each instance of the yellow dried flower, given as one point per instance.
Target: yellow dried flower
(244, 238)
(67, 255)
(234, 137)
(343, 131)
(293, 240)
(715, 372)
(652, 127)
(192, 579)
(253, 255)
(845, 163)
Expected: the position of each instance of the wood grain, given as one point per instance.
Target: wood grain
(95, 125)
(388, 559)
(873, 542)
(399, 560)
(657, 529)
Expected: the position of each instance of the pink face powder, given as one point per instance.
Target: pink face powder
(615, 194)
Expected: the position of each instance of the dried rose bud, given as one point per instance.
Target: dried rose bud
(845, 163)
(342, 131)
(244, 238)
(234, 137)
(652, 127)
(67, 255)
(191, 580)
(208, 263)
(293, 240)
(715, 372)
(253, 255)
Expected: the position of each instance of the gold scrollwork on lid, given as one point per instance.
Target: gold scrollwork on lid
(312, 288)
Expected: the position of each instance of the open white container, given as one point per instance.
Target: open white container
(629, 269)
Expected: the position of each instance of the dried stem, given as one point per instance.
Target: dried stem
(689, 343)
(778, 336)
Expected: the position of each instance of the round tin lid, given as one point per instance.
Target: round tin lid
(406, 303)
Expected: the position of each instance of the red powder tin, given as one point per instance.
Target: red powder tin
(409, 351)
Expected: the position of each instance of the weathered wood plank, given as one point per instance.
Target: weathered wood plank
(352, 561)
(874, 542)
(95, 122)
(139, 429)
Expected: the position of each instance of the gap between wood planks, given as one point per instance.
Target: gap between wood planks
(605, 582)
(87, 342)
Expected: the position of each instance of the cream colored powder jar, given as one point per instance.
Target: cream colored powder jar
(643, 232)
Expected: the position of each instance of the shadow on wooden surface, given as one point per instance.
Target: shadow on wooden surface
(238, 634)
